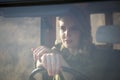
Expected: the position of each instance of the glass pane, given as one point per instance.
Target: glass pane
(97, 20)
(116, 21)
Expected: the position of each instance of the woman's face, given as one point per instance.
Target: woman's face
(69, 35)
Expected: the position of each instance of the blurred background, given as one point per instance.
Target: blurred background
(17, 37)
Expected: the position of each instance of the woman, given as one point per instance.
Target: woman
(74, 51)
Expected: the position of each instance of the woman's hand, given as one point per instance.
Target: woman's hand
(45, 57)
(51, 62)
(39, 51)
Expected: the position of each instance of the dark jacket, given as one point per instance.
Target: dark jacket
(92, 64)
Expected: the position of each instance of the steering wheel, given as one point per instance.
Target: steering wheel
(76, 74)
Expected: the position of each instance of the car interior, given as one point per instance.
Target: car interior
(26, 24)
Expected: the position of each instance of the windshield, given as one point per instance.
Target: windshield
(26, 27)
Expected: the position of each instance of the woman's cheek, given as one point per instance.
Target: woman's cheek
(62, 36)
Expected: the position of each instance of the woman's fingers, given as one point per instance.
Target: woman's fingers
(36, 52)
(44, 61)
(52, 63)
(53, 66)
(58, 64)
(39, 51)
(49, 64)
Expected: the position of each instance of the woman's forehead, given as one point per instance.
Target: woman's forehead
(69, 21)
